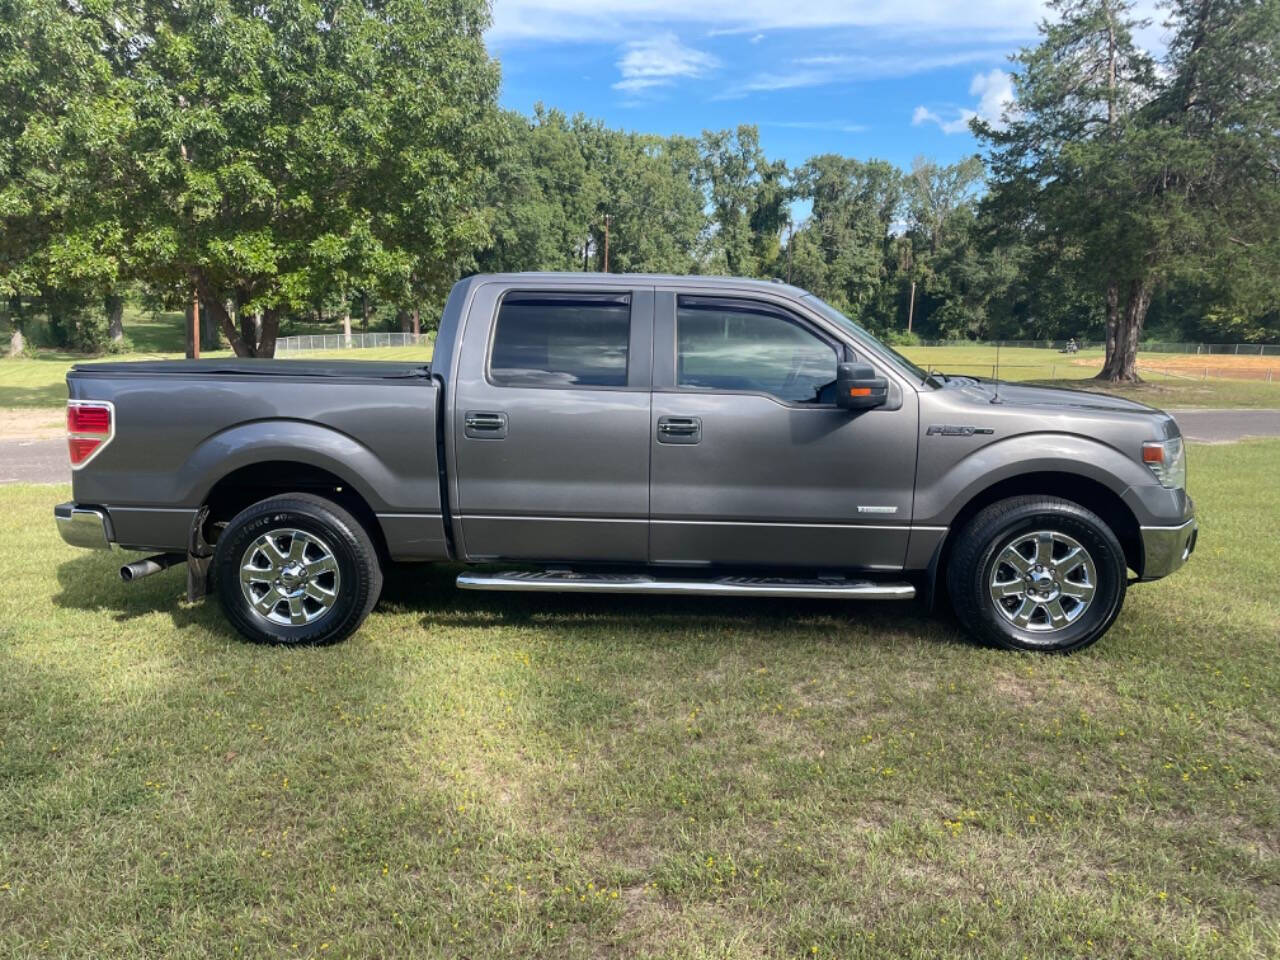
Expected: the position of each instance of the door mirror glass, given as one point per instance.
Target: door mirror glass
(859, 388)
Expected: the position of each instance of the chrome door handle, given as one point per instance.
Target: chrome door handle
(679, 429)
(484, 426)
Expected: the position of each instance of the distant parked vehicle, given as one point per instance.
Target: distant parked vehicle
(630, 434)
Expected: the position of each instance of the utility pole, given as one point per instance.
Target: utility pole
(788, 251)
(606, 243)
(193, 328)
(911, 307)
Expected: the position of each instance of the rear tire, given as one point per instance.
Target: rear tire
(296, 569)
(1037, 573)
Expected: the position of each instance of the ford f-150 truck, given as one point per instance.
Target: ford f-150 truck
(629, 434)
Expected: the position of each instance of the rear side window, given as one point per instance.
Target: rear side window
(725, 345)
(561, 341)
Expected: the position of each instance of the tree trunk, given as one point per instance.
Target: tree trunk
(226, 322)
(364, 313)
(189, 345)
(346, 327)
(114, 305)
(1121, 364)
(1113, 319)
(208, 329)
(417, 324)
(405, 320)
(17, 343)
(268, 331)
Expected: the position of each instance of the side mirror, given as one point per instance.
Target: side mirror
(858, 387)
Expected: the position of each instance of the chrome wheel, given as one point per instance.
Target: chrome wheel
(1043, 581)
(290, 577)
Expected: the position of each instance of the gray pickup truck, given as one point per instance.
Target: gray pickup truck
(629, 434)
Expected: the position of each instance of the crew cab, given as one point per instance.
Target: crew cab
(602, 433)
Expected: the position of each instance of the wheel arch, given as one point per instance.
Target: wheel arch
(1076, 488)
(248, 484)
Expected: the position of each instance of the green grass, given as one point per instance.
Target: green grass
(40, 382)
(477, 775)
(1050, 368)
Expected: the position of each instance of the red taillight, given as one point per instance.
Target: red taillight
(89, 429)
(82, 418)
(82, 448)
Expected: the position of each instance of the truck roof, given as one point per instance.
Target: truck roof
(711, 283)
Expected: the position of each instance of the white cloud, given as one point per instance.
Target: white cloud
(819, 70)
(756, 39)
(832, 126)
(659, 62)
(994, 90)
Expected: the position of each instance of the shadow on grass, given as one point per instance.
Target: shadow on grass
(91, 582)
(431, 590)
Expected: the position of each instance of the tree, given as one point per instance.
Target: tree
(61, 111)
(1068, 163)
(544, 196)
(841, 252)
(270, 137)
(1131, 176)
(746, 197)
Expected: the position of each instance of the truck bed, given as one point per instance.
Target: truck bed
(234, 367)
(185, 430)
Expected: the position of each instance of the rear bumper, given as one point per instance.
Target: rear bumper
(1165, 549)
(88, 527)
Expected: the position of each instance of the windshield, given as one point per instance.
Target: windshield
(831, 313)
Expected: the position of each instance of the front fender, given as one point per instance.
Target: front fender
(950, 476)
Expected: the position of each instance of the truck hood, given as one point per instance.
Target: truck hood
(1075, 411)
(1021, 395)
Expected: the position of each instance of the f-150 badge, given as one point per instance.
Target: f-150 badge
(955, 430)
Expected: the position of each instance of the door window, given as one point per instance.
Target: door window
(561, 341)
(741, 346)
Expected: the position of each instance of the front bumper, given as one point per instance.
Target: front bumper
(88, 527)
(1165, 549)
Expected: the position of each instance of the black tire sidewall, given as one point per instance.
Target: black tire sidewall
(356, 558)
(994, 528)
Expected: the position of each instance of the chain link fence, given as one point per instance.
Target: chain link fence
(307, 342)
(1199, 349)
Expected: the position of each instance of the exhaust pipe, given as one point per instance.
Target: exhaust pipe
(145, 568)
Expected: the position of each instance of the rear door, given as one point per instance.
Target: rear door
(752, 462)
(551, 425)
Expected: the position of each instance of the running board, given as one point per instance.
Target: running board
(565, 582)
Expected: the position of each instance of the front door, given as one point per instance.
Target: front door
(752, 462)
(551, 427)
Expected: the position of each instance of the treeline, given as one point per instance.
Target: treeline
(284, 169)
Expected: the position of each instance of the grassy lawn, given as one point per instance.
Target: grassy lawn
(476, 775)
(40, 382)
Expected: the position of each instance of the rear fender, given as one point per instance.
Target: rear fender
(293, 441)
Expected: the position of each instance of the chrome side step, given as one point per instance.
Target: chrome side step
(566, 582)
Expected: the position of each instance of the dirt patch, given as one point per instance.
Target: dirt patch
(26, 423)
(1196, 362)
(1227, 366)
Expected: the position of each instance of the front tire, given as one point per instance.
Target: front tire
(1037, 573)
(296, 569)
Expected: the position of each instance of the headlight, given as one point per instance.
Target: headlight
(1168, 461)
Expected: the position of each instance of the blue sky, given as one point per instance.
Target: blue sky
(870, 79)
(892, 79)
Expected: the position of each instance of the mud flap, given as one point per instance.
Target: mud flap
(199, 558)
